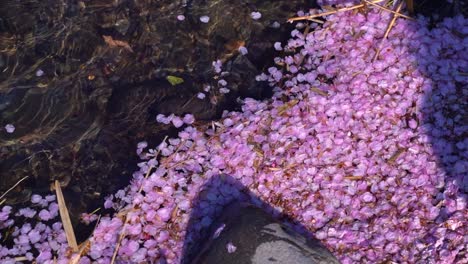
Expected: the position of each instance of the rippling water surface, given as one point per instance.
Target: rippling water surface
(82, 82)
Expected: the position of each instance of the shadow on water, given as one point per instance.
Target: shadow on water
(219, 202)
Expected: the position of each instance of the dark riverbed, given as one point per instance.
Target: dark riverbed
(82, 83)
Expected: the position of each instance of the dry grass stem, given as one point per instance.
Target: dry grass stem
(66, 222)
(395, 156)
(16, 184)
(319, 91)
(389, 10)
(390, 25)
(354, 177)
(95, 211)
(122, 234)
(316, 20)
(309, 17)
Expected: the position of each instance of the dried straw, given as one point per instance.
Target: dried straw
(332, 12)
(71, 239)
(389, 10)
(390, 25)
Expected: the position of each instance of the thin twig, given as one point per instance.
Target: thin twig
(309, 17)
(16, 184)
(66, 222)
(389, 10)
(390, 25)
(95, 211)
(122, 232)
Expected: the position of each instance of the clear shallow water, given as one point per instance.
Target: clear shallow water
(82, 82)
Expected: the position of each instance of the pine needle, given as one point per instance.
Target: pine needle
(71, 239)
(332, 12)
(390, 25)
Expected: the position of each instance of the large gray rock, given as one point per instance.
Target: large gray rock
(250, 235)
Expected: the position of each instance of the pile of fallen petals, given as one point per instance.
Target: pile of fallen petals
(368, 154)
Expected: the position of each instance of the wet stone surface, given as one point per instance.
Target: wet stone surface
(247, 234)
(82, 82)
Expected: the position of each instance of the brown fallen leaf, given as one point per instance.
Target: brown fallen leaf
(233, 45)
(117, 43)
